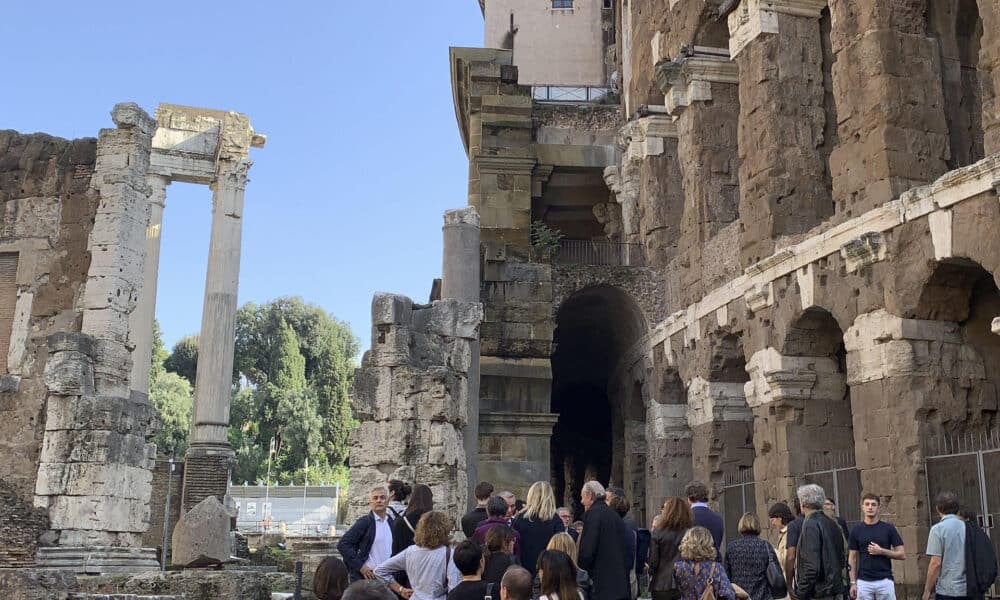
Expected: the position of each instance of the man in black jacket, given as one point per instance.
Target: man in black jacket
(820, 559)
(697, 495)
(369, 541)
(477, 515)
(602, 545)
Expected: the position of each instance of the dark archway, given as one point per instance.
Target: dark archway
(594, 328)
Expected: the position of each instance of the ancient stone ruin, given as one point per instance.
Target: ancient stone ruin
(78, 263)
(747, 242)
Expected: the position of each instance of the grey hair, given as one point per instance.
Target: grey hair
(811, 496)
(506, 495)
(563, 508)
(594, 488)
(379, 488)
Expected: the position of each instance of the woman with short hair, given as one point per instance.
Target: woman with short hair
(697, 569)
(537, 523)
(747, 558)
(664, 547)
(427, 562)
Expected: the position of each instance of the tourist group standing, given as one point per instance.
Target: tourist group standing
(402, 548)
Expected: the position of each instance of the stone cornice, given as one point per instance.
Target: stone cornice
(689, 78)
(521, 423)
(643, 136)
(505, 164)
(753, 18)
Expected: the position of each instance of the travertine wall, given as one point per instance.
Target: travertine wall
(410, 395)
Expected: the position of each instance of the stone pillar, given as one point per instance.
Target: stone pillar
(783, 186)
(209, 457)
(904, 373)
(791, 398)
(460, 276)
(701, 91)
(669, 453)
(721, 429)
(141, 320)
(648, 185)
(887, 86)
(989, 69)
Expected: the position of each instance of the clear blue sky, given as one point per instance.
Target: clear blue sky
(363, 152)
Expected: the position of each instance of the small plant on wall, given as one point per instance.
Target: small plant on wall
(544, 241)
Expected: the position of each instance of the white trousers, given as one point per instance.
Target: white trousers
(883, 589)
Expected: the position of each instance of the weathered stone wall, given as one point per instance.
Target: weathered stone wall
(410, 395)
(153, 537)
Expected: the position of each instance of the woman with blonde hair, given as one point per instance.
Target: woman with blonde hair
(696, 569)
(428, 564)
(537, 523)
(664, 547)
(564, 543)
(747, 558)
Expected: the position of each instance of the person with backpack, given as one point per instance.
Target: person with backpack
(697, 575)
(428, 562)
(980, 560)
(872, 546)
(404, 528)
(946, 549)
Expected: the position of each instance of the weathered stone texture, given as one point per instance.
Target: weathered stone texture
(201, 538)
(411, 396)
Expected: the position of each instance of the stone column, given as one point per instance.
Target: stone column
(791, 397)
(989, 68)
(669, 453)
(887, 86)
(783, 184)
(460, 276)
(701, 91)
(140, 327)
(209, 456)
(721, 428)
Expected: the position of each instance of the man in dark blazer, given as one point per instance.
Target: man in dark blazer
(369, 541)
(602, 545)
(697, 495)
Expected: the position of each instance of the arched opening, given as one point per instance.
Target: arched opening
(959, 30)
(594, 328)
(824, 433)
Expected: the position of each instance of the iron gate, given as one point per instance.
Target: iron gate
(968, 465)
(737, 498)
(838, 475)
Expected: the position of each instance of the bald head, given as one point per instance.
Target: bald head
(516, 584)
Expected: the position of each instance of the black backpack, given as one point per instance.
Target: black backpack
(980, 561)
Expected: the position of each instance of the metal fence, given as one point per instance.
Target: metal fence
(612, 254)
(738, 498)
(569, 93)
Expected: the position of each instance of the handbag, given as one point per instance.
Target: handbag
(709, 593)
(776, 578)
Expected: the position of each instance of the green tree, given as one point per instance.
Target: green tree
(172, 396)
(183, 359)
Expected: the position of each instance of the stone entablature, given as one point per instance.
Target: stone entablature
(716, 401)
(800, 259)
(775, 378)
(753, 18)
(689, 79)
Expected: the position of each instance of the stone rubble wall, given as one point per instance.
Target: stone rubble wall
(411, 397)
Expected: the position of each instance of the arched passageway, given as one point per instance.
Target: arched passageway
(594, 328)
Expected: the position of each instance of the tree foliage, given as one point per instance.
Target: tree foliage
(293, 368)
(172, 396)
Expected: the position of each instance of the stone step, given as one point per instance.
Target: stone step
(121, 597)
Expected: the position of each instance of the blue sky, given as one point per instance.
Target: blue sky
(363, 153)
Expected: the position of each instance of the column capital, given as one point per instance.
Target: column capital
(689, 78)
(776, 378)
(644, 136)
(753, 18)
(233, 174)
(716, 401)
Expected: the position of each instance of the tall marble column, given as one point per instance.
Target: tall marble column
(460, 276)
(140, 327)
(210, 456)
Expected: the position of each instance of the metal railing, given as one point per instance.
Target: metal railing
(611, 254)
(569, 93)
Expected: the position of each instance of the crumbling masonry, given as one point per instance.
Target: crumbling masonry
(779, 261)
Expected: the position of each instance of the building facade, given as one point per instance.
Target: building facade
(766, 257)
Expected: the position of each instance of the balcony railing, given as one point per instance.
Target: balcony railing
(611, 254)
(569, 93)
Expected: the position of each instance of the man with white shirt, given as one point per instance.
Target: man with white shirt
(368, 542)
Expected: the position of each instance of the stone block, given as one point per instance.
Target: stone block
(201, 538)
(69, 373)
(391, 309)
(390, 346)
(101, 513)
(450, 317)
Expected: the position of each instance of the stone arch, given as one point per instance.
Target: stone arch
(596, 327)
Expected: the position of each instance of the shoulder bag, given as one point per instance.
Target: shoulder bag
(709, 592)
(775, 576)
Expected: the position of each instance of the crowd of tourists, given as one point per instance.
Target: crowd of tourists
(534, 550)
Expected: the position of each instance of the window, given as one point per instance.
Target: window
(607, 5)
(562, 3)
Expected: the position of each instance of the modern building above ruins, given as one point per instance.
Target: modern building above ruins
(740, 241)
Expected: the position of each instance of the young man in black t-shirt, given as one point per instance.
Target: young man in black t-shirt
(468, 557)
(873, 545)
